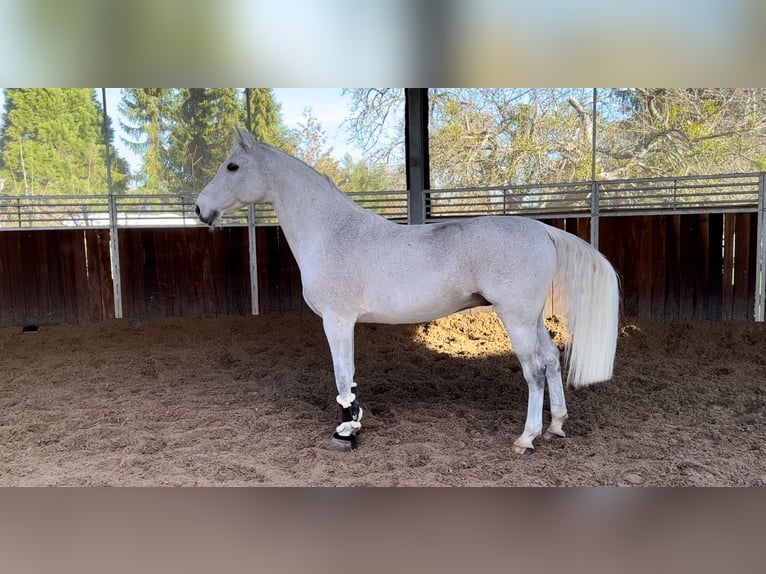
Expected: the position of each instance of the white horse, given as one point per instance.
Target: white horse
(357, 266)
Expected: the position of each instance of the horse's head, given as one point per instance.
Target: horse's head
(236, 184)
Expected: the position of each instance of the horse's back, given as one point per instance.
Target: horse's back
(417, 273)
(492, 243)
(513, 258)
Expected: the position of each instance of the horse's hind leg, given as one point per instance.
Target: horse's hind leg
(525, 340)
(340, 336)
(551, 360)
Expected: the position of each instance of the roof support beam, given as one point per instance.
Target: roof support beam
(417, 160)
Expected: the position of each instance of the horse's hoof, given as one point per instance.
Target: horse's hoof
(343, 443)
(523, 450)
(528, 451)
(550, 435)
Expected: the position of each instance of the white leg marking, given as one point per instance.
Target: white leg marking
(525, 343)
(340, 337)
(552, 363)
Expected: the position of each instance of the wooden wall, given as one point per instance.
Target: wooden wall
(672, 267)
(279, 281)
(682, 267)
(178, 272)
(174, 272)
(55, 276)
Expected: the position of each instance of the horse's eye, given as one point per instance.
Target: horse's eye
(232, 167)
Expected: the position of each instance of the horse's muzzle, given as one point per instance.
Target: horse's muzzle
(207, 220)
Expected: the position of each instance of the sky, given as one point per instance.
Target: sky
(328, 105)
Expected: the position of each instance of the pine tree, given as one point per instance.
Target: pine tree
(147, 112)
(265, 118)
(200, 135)
(52, 143)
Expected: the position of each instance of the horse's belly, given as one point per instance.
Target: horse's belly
(398, 309)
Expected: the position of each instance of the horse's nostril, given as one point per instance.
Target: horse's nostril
(196, 209)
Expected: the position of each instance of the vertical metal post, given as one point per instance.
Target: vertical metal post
(255, 307)
(593, 138)
(416, 144)
(760, 261)
(114, 244)
(249, 116)
(595, 200)
(594, 191)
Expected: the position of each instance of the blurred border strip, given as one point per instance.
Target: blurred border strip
(304, 43)
(381, 530)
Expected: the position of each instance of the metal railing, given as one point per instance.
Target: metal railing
(727, 192)
(51, 211)
(142, 210)
(546, 199)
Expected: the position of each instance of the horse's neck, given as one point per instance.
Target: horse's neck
(308, 205)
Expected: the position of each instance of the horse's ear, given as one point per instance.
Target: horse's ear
(244, 138)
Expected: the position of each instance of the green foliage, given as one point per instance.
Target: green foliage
(486, 137)
(148, 114)
(676, 131)
(309, 143)
(183, 134)
(199, 137)
(52, 143)
(265, 120)
(359, 175)
(482, 137)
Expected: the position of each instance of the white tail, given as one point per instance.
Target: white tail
(587, 294)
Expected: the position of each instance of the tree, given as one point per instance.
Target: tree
(361, 175)
(199, 136)
(53, 144)
(265, 119)
(484, 137)
(310, 141)
(683, 131)
(183, 134)
(147, 112)
(377, 122)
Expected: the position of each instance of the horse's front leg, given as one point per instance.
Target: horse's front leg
(340, 336)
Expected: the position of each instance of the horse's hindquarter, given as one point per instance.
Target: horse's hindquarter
(409, 274)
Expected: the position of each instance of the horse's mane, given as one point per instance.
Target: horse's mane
(320, 176)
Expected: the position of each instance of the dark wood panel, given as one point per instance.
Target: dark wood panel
(175, 272)
(691, 264)
(6, 292)
(752, 265)
(741, 307)
(47, 278)
(17, 279)
(615, 234)
(728, 266)
(280, 287)
(658, 263)
(82, 302)
(684, 266)
(715, 267)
